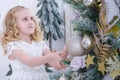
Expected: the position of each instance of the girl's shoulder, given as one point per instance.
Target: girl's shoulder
(13, 42)
(42, 42)
(22, 43)
(12, 45)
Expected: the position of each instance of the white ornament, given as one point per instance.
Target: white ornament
(62, 77)
(112, 10)
(73, 46)
(87, 2)
(86, 42)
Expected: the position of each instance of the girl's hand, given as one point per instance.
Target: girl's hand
(63, 55)
(55, 56)
(57, 65)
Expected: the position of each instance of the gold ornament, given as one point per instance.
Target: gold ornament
(115, 73)
(86, 42)
(115, 29)
(101, 67)
(73, 46)
(89, 60)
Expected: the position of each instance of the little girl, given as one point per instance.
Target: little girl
(22, 41)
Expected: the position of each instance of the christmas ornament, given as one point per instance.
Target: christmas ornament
(73, 46)
(87, 2)
(101, 67)
(115, 29)
(111, 12)
(86, 42)
(62, 77)
(77, 0)
(78, 62)
(89, 60)
(113, 65)
(115, 73)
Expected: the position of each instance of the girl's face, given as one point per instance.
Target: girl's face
(25, 22)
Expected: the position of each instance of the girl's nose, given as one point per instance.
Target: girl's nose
(30, 21)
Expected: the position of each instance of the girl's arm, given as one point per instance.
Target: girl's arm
(36, 60)
(55, 64)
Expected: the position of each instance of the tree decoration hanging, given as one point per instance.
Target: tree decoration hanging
(113, 67)
(87, 2)
(86, 42)
(114, 74)
(89, 60)
(78, 62)
(101, 67)
(62, 77)
(74, 47)
(110, 13)
(77, 0)
(109, 16)
(50, 19)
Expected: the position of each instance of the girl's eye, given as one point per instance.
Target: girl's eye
(31, 18)
(28, 18)
(25, 19)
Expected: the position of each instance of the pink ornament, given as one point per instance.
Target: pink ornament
(78, 62)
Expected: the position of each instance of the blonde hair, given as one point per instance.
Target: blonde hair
(11, 30)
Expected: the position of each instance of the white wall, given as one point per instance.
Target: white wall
(4, 7)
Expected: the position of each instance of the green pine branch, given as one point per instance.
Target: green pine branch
(50, 19)
(91, 12)
(10, 71)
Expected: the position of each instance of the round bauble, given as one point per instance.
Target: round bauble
(73, 46)
(62, 77)
(86, 42)
(87, 2)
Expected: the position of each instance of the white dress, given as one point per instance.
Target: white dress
(21, 71)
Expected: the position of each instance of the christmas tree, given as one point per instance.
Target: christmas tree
(50, 20)
(103, 50)
(100, 41)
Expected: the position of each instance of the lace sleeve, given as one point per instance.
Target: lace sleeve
(10, 47)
